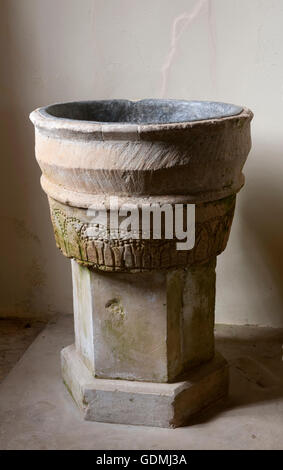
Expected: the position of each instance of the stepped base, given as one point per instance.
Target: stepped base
(144, 403)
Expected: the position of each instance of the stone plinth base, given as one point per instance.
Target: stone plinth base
(144, 403)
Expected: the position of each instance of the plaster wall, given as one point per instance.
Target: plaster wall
(231, 50)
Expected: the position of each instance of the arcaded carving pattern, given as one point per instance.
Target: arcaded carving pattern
(213, 223)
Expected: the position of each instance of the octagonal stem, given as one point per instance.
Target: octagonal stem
(144, 326)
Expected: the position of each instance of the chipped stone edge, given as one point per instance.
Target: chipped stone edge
(75, 129)
(166, 405)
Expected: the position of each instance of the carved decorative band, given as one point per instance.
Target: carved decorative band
(212, 229)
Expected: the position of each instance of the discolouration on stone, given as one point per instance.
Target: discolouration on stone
(144, 326)
(201, 159)
(144, 403)
(71, 227)
(83, 311)
(144, 311)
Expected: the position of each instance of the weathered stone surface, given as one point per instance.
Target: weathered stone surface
(202, 160)
(71, 225)
(144, 311)
(144, 403)
(145, 326)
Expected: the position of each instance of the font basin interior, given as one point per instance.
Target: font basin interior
(147, 111)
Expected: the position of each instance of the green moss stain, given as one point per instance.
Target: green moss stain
(126, 342)
(175, 286)
(116, 333)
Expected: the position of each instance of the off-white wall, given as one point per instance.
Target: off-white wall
(56, 50)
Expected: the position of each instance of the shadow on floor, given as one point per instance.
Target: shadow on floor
(16, 335)
(255, 362)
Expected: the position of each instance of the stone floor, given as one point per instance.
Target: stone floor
(36, 411)
(15, 337)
